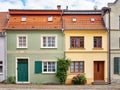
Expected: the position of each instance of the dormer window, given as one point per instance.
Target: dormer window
(74, 19)
(23, 18)
(50, 18)
(92, 19)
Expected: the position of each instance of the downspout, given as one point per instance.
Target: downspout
(109, 47)
(62, 25)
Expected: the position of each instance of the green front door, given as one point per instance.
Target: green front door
(22, 70)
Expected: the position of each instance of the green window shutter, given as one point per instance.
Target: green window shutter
(38, 66)
(116, 65)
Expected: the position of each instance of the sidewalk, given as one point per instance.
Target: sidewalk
(58, 87)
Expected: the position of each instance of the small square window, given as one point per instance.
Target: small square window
(1, 67)
(23, 18)
(92, 19)
(74, 19)
(50, 18)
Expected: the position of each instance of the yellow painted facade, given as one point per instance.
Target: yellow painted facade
(88, 54)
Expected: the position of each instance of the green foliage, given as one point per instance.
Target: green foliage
(11, 80)
(62, 68)
(79, 79)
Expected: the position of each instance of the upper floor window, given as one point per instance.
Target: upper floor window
(49, 67)
(77, 67)
(77, 42)
(98, 42)
(49, 41)
(21, 41)
(1, 67)
(50, 18)
(23, 18)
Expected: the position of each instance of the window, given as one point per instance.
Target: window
(97, 42)
(49, 67)
(77, 67)
(92, 19)
(21, 41)
(74, 19)
(1, 67)
(119, 22)
(48, 41)
(76, 42)
(50, 18)
(116, 65)
(23, 18)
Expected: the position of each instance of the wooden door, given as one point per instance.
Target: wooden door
(98, 70)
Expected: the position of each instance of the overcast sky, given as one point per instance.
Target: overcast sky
(52, 4)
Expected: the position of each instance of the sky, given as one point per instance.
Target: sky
(5, 5)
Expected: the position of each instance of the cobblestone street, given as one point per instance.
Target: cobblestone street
(59, 87)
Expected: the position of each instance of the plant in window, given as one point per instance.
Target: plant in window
(79, 79)
(62, 67)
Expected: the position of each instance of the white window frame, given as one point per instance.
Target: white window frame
(2, 67)
(47, 41)
(18, 41)
(23, 19)
(47, 67)
(50, 18)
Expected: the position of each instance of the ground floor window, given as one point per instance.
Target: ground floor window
(77, 67)
(1, 67)
(49, 67)
(116, 65)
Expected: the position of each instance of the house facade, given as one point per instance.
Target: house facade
(3, 21)
(114, 23)
(34, 42)
(86, 45)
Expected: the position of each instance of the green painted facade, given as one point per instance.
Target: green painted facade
(33, 53)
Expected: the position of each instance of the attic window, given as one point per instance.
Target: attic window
(23, 18)
(74, 19)
(50, 18)
(92, 19)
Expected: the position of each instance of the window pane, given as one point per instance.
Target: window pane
(81, 66)
(72, 42)
(77, 42)
(72, 67)
(1, 69)
(76, 66)
(82, 42)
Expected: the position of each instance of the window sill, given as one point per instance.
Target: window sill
(48, 72)
(76, 48)
(1, 73)
(97, 48)
(74, 73)
(49, 47)
(21, 47)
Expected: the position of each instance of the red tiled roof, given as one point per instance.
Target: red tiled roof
(3, 20)
(84, 21)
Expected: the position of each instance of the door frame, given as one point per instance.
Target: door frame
(16, 70)
(94, 71)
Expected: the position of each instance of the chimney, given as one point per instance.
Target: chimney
(59, 7)
(66, 7)
(95, 7)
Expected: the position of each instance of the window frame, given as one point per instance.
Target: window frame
(97, 42)
(47, 46)
(1, 64)
(23, 19)
(50, 18)
(18, 46)
(48, 68)
(79, 42)
(74, 69)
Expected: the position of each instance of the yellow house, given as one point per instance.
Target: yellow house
(86, 41)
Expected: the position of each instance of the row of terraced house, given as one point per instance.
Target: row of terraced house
(32, 40)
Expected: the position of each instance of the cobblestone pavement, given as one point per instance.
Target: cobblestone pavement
(59, 87)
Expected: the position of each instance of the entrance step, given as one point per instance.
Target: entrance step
(100, 82)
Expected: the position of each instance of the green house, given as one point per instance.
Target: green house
(34, 42)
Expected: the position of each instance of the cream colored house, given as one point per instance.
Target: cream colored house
(86, 45)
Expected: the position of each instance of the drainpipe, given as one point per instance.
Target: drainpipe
(109, 51)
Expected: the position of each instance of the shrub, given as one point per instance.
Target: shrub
(79, 79)
(11, 80)
(62, 67)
